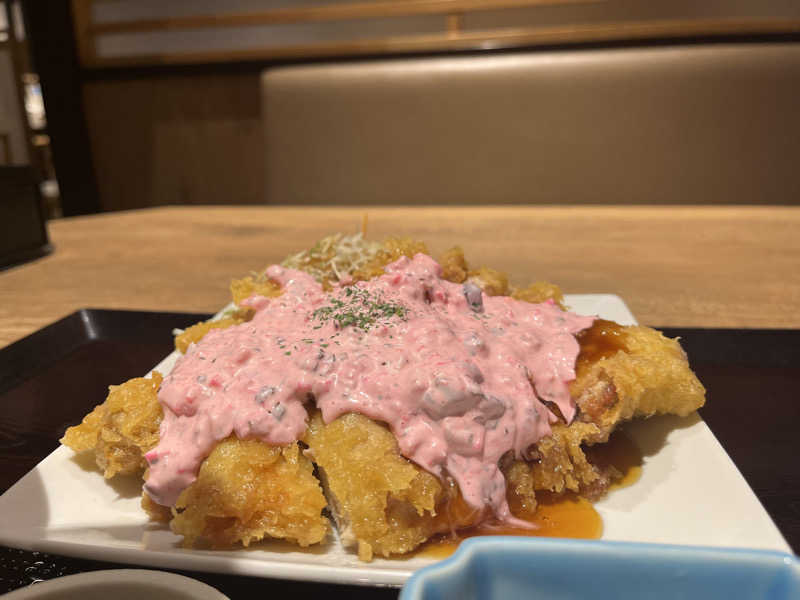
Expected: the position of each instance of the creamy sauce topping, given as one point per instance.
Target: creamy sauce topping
(460, 378)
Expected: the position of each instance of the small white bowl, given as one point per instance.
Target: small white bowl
(119, 584)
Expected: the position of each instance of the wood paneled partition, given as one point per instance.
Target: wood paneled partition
(122, 33)
(169, 91)
(182, 139)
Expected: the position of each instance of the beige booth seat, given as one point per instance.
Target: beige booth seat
(713, 123)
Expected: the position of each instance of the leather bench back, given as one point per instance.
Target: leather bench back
(688, 124)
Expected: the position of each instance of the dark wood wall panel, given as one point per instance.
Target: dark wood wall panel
(176, 139)
(52, 47)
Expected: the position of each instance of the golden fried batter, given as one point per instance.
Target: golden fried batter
(246, 491)
(640, 374)
(381, 501)
(622, 373)
(649, 373)
(393, 249)
(538, 292)
(455, 269)
(195, 333)
(122, 429)
(242, 289)
(454, 265)
(368, 481)
(493, 283)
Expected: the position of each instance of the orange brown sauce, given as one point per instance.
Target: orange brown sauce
(566, 515)
(601, 340)
(621, 453)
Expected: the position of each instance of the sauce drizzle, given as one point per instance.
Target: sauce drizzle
(601, 340)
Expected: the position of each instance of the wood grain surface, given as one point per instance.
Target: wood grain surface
(674, 266)
(437, 41)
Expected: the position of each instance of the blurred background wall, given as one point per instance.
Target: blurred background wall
(153, 102)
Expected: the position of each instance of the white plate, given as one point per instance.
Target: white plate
(120, 584)
(690, 493)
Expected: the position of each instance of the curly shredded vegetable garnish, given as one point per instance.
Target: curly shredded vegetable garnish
(334, 257)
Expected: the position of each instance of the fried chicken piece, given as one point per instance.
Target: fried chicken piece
(392, 249)
(456, 270)
(247, 491)
(383, 503)
(387, 505)
(241, 289)
(380, 500)
(454, 265)
(492, 282)
(622, 373)
(156, 512)
(562, 464)
(520, 492)
(538, 292)
(121, 429)
(195, 333)
(633, 372)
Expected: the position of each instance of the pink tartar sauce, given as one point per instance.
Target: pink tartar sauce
(461, 378)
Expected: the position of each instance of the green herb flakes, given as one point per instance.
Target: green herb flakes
(361, 309)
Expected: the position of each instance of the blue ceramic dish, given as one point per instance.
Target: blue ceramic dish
(537, 568)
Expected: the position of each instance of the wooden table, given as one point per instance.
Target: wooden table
(674, 266)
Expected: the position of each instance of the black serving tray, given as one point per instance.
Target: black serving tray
(50, 379)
